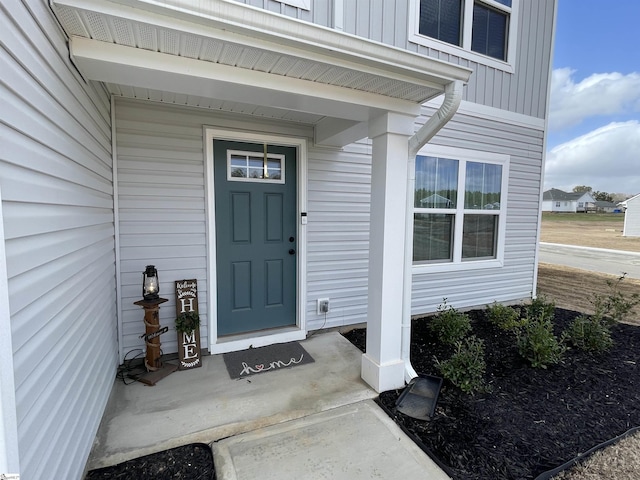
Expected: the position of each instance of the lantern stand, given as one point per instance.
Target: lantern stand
(151, 301)
(156, 370)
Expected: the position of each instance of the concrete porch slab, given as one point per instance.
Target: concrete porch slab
(205, 405)
(353, 442)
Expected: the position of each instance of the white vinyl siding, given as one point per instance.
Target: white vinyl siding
(162, 217)
(632, 218)
(162, 214)
(339, 198)
(57, 203)
(162, 205)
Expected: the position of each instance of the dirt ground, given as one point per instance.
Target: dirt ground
(572, 288)
(588, 230)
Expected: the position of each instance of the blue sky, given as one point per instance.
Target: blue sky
(594, 118)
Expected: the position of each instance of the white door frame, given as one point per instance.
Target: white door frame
(255, 339)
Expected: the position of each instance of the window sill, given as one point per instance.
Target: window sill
(456, 267)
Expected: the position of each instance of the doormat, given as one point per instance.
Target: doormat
(265, 359)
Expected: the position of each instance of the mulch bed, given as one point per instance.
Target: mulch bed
(533, 420)
(190, 462)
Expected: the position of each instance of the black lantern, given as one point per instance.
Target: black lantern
(150, 283)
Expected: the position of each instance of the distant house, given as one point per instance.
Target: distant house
(436, 201)
(555, 200)
(605, 207)
(631, 217)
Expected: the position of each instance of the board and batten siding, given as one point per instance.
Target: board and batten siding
(57, 205)
(387, 21)
(320, 13)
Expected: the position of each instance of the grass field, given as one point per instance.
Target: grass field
(583, 217)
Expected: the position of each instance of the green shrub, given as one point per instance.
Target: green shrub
(540, 307)
(503, 317)
(589, 333)
(466, 367)
(449, 324)
(615, 306)
(537, 343)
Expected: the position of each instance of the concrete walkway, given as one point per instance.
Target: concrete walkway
(355, 442)
(315, 418)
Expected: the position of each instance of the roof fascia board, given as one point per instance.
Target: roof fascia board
(112, 63)
(251, 26)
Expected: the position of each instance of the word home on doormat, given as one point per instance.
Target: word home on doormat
(265, 359)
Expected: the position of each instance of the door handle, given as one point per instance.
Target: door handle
(292, 251)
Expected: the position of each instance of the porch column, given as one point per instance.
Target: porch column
(382, 365)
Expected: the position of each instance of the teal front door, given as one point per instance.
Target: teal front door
(255, 215)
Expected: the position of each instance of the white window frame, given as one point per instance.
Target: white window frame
(463, 156)
(467, 22)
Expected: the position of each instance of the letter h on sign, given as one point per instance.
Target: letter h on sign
(184, 303)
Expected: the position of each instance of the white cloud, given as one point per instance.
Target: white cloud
(597, 95)
(606, 159)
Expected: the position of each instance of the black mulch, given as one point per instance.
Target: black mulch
(533, 420)
(190, 462)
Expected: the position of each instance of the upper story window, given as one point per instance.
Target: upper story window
(482, 31)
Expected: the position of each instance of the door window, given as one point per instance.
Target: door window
(255, 167)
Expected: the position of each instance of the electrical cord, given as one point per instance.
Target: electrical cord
(322, 327)
(126, 370)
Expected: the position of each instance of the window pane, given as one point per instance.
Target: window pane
(441, 19)
(273, 169)
(479, 236)
(483, 186)
(256, 172)
(432, 237)
(256, 162)
(504, 2)
(436, 182)
(489, 32)
(237, 161)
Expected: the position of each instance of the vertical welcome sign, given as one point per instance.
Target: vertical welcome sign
(188, 342)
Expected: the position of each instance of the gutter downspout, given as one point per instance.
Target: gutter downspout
(452, 99)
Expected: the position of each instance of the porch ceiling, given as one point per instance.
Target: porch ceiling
(247, 59)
